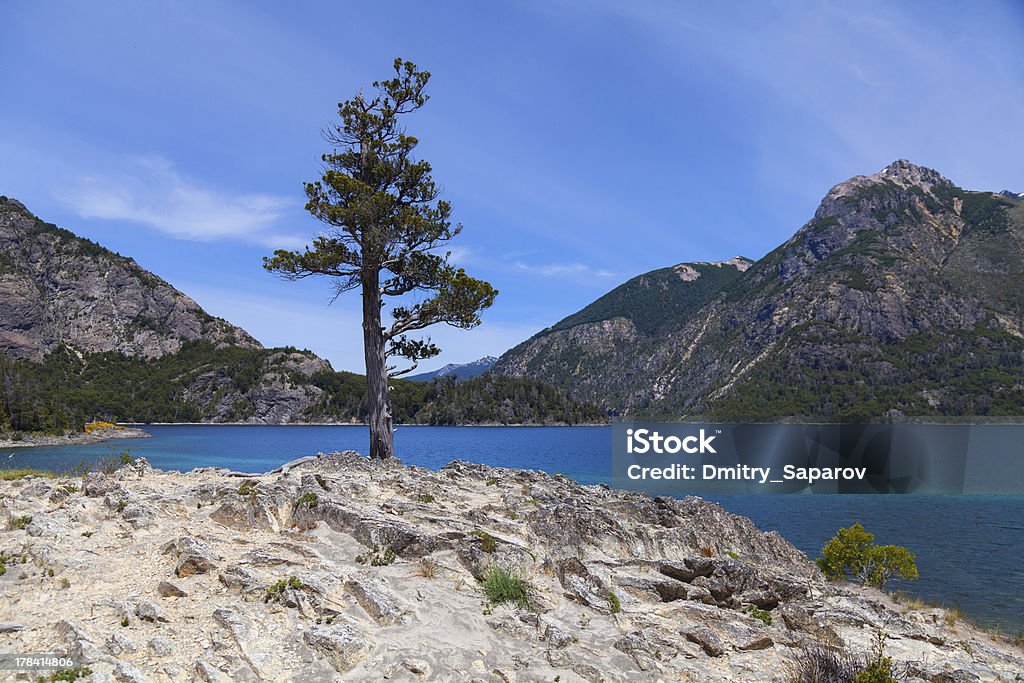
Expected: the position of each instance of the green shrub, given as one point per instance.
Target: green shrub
(248, 488)
(124, 622)
(275, 591)
(758, 613)
(488, 543)
(613, 603)
(377, 557)
(852, 552)
(501, 586)
(71, 674)
(310, 500)
(879, 668)
(320, 480)
(17, 523)
(383, 559)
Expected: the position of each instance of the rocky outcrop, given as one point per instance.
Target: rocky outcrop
(282, 392)
(901, 296)
(59, 289)
(337, 568)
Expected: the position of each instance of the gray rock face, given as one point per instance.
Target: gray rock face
(374, 583)
(895, 274)
(56, 288)
(343, 644)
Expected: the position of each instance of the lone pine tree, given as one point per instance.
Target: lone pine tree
(385, 223)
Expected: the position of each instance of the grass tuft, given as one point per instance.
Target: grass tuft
(502, 587)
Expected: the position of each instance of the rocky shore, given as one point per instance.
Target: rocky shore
(337, 568)
(26, 440)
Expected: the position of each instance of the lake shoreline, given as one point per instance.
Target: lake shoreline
(74, 438)
(939, 528)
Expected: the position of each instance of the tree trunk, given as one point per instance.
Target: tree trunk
(378, 398)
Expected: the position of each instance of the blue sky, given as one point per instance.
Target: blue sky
(581, 143)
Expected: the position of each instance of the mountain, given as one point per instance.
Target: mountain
(902, 296)
(459, 371)
(57, 289)
(88, 334)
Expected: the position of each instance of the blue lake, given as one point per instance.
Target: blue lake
(969, 548)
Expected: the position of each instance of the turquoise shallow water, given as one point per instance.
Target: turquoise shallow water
(969, 548)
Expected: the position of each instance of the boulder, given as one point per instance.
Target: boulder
(343, 643)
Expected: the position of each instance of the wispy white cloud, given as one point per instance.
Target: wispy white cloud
(573, 270)
(150, 191)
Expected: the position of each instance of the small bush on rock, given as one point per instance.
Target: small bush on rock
(879, 668)
(17, 523)
(248, 488)
(852, 552)
(488, 543)
(71, 674)
(276, 591)
(310, 500)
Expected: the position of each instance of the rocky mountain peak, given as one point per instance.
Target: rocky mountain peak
(900, 174)
(905, 174)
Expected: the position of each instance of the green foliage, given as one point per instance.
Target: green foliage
(377, 557)
(762, 615)
(321, 481)
(426, 498)
(614, 604)
(17, 523)
(248, 488)
(22, 472)
(852, 552)
(488, 543)
(386, 224)
(501, 586)
(383, 559)
(71, 674)
(310, 500)
(275, 591)
(879, 668)
(654, 301)
(491, 398)
(971, 372)
(64, 392)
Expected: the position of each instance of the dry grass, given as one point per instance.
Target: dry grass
(427, 567)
